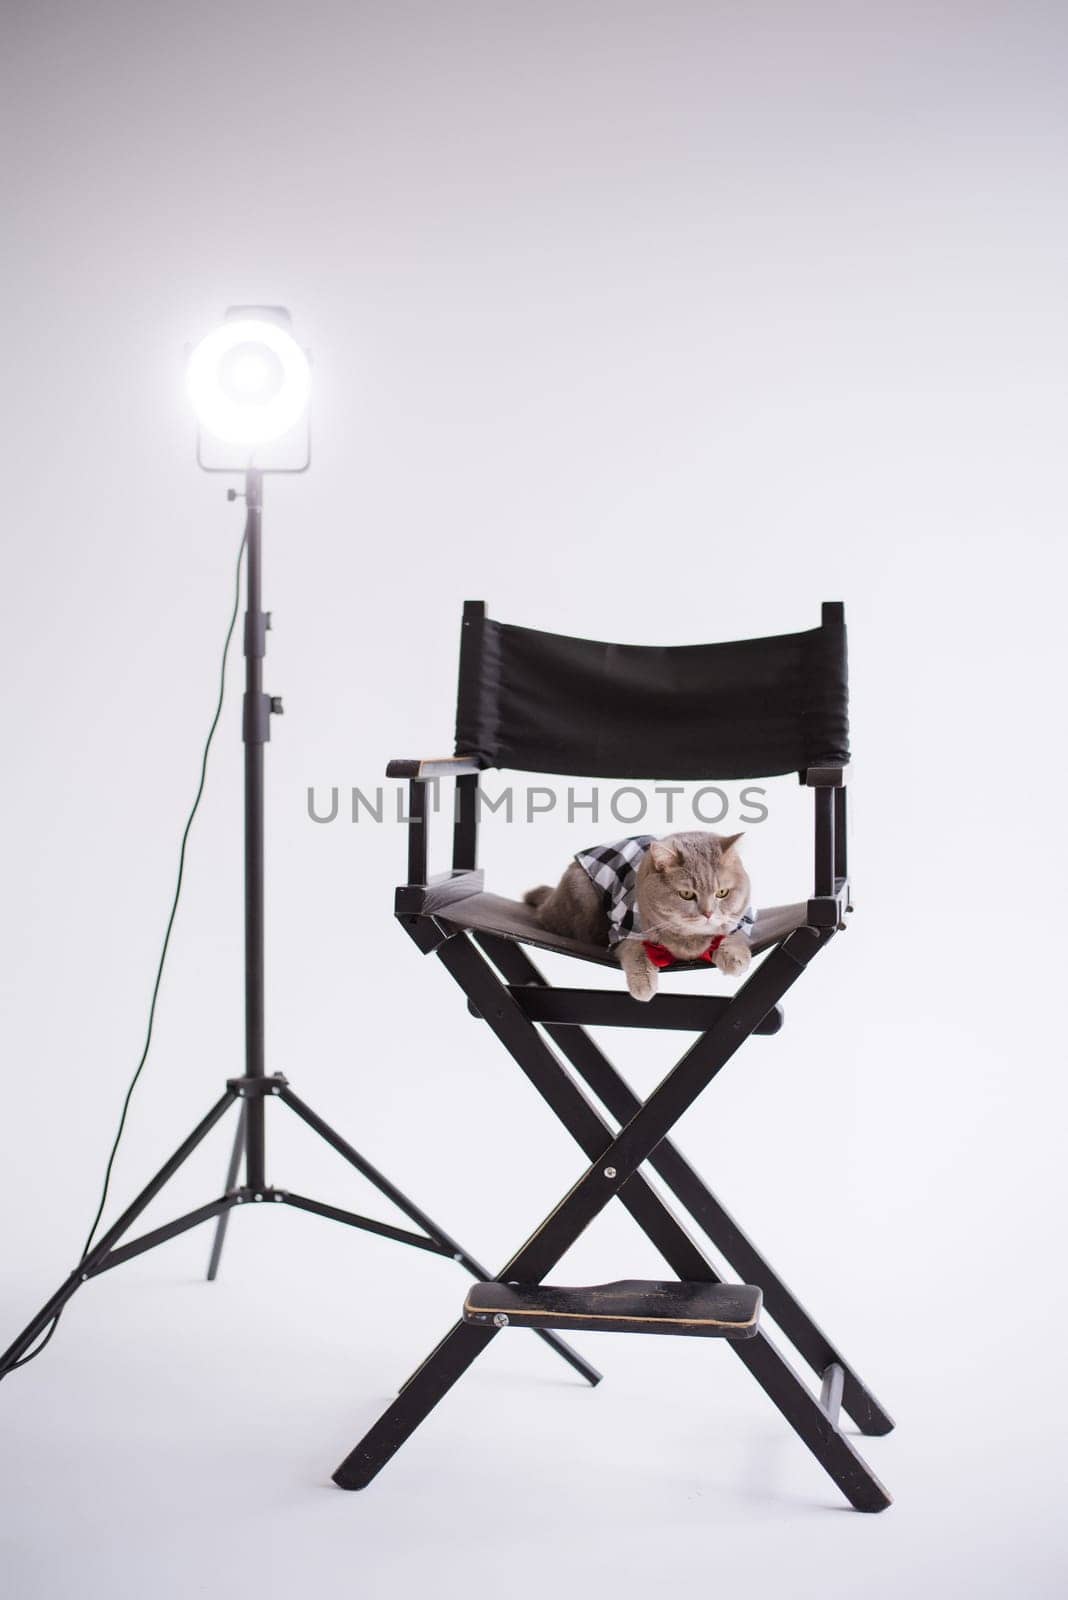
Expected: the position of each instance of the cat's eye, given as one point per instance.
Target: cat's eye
(721, 894)
(687, 894)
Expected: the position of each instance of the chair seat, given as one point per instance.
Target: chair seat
(635, 1305)
(513, 919)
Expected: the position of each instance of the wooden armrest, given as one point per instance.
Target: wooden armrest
(825, 777)
(435, 767)
(829, 910)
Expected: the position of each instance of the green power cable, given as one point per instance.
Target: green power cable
(32, 1354)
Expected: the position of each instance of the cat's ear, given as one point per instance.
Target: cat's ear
(664, 854)
(729, 842)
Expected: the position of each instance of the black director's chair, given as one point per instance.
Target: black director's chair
(539, 702)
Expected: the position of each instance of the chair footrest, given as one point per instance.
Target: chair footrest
(707, 1310)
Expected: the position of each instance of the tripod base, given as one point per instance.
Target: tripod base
(109, 1252)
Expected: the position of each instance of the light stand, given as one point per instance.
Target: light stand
(252, 1089)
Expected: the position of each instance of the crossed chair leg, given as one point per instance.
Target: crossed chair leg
(613, 1172)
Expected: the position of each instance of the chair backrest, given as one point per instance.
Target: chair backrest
(543, 702)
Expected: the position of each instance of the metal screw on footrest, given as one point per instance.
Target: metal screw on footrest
(500, 1320)
(609, 1172)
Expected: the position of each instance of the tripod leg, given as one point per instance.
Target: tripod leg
(97, 1256)
(420, 1218)
(231, 1179)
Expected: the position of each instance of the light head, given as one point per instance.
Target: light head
(249, 382)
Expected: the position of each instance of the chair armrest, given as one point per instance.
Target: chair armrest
(465, 822)
(829, 910)
(825, 777)
(435, 767)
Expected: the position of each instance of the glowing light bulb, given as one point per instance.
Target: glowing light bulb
(248, 382)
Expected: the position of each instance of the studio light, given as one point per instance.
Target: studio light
(248, 382)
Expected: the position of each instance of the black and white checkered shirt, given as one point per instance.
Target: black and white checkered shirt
(613, 868)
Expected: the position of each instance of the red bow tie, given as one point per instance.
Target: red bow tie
(661, 956)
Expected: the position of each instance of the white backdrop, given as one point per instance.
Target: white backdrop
(752, 307)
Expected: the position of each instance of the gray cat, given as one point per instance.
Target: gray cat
(652, 901)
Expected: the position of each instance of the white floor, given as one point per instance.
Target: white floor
(177, 1440)
(746, 307)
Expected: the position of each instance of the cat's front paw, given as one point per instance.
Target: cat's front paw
(642, 982)
(733, 957)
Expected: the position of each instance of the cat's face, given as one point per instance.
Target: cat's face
(691, 885)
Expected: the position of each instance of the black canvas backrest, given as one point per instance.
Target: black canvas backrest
(542, 702)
